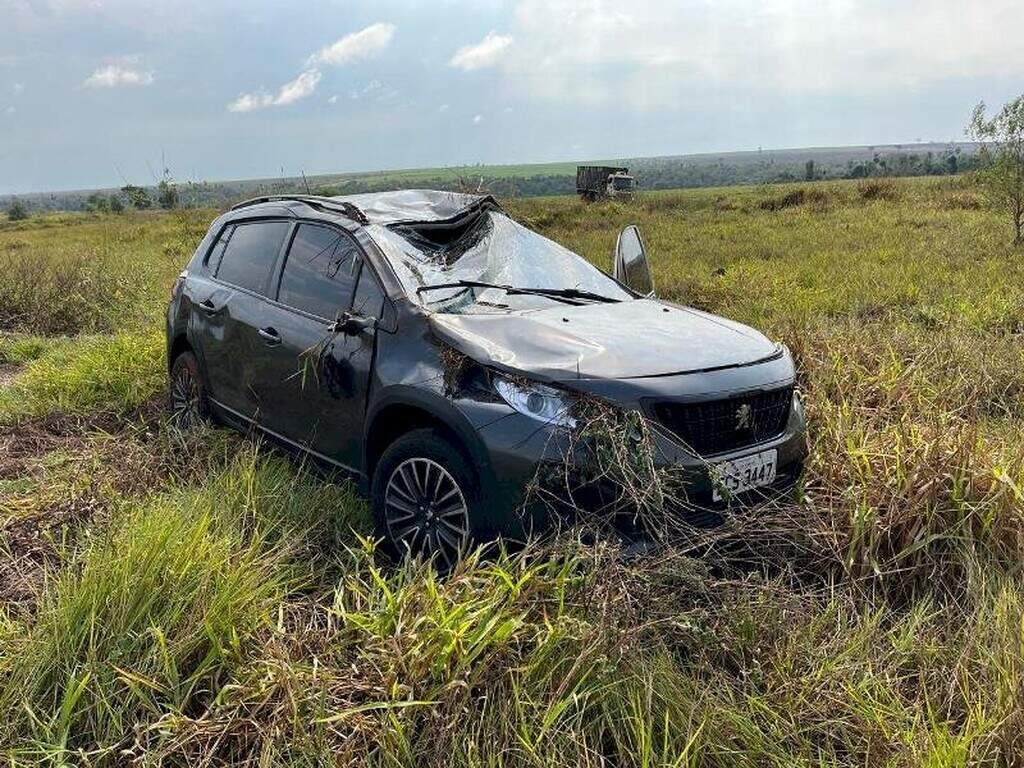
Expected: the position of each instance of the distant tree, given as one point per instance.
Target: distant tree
(138, 197)
(115, 204)
(809, 170)
(1002, 150)
(17, 211)
(167, 192)
(97, 203)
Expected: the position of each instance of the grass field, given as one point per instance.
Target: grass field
(200, 600)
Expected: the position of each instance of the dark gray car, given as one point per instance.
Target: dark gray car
(438, 350)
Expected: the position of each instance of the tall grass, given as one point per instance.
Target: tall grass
(87, 274)
(157, 612)
(223, 613)
(570, 657)
(100, 373)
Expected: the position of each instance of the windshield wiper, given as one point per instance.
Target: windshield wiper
(573, 296)
(569, 293)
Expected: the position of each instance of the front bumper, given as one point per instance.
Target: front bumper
(541, 474)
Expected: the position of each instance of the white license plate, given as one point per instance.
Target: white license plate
(743, 474)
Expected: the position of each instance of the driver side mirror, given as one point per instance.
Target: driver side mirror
(631, 266)
(352, 324)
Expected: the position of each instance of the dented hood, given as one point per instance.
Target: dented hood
(628, 339)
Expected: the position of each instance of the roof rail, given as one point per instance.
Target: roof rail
(315, 201)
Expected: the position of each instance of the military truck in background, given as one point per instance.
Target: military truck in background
(598, 181)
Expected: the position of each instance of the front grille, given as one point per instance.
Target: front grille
(720, 426)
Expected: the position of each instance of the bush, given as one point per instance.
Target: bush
(17, 211)
(878, 189)
(781, 202)
(58, 294)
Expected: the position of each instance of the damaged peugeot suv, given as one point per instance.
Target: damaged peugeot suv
(438, 350)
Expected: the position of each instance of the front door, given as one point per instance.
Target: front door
(315, 379)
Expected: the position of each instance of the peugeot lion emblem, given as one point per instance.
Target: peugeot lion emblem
(743, 414)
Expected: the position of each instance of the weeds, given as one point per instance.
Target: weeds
(62, 296)
(204, 603)
(878, 189)
(112, 373)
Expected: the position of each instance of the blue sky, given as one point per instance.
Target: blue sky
(96, 92)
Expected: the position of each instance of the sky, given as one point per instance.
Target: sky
(97, 93)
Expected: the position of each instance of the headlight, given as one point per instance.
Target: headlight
(536, 401)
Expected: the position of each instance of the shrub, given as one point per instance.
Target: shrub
(17, 211)
(56, 294)
(788, 200)
(878, 189)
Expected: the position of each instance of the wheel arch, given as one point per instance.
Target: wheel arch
(179, 344)
(404, 412)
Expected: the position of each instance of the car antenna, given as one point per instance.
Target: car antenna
(305, 181)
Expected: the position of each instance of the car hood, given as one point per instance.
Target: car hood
(628, 339)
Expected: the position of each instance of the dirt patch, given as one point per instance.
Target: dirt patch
(62, 474)
(7, 373)
(101, 458)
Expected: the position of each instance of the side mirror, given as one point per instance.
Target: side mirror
(631, 266)
(351, 324)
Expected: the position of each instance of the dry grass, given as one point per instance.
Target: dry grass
(201, 604)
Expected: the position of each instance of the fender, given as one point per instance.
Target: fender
(439, 408)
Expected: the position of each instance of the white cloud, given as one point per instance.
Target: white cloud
(18, 88)
(477, 119)
(358, 45)
(649, 53)
(486, 53)
(443, 108)
(116, 75)
(299, 88)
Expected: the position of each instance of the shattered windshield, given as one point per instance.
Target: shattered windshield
(490, 248)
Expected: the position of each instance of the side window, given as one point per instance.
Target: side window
(217, 251)
(319, 273)
(369, 298)
(251, 253)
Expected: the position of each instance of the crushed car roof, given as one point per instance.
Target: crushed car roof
(405, 206)
(414, 205)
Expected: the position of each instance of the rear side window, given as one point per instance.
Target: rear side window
(319, 273)
(250, 254)
(213, 259)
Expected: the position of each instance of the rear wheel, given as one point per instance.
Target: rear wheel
(189, 406)
(425, 498)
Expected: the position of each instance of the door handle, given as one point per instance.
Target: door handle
(209, 307)
(270, 335)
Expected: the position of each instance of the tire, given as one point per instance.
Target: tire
(188, 402)
(426, 498)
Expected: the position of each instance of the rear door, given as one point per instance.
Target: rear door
(232, 311)
(318, 378)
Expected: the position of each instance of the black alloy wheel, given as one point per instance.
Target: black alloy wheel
(187, 396)
(424, 496)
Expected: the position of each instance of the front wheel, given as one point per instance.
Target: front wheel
(425, 498)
